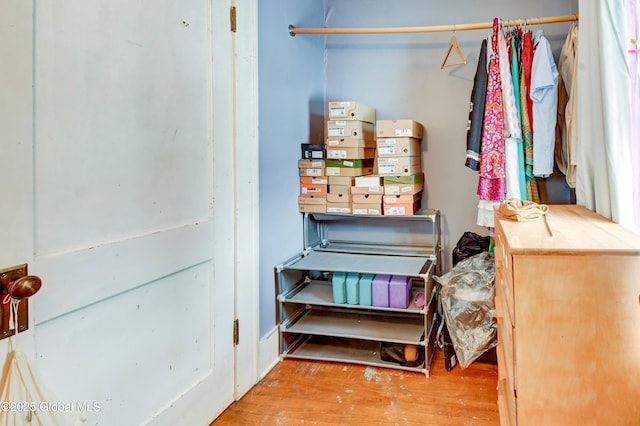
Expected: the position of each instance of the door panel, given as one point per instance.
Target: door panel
(121, 119)
(140, 346)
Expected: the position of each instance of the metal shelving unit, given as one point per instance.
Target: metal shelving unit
(312, 326)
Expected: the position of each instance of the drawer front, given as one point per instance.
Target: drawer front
(504, 274)
(506, 351)
(506, 404)
(506, 390)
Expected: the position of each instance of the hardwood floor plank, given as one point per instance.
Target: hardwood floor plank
(300, 392)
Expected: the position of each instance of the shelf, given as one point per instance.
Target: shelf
(370, 263)
(389, 249)
(428, 215)
(365, 352)
(320, 293)
(311, 326)
(388, 327)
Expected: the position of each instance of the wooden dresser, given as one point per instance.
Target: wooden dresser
(568, 308)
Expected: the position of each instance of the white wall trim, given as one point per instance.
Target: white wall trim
(268, 352)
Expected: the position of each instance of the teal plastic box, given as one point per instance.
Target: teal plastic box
(364, 289)
(352, 281)
(338, 284)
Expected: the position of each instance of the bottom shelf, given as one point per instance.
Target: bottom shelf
(356, 351)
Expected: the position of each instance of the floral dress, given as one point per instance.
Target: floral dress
(492, 182)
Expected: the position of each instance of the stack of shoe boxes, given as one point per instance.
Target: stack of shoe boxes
(314, 183)
(399, 162)
(350, 151)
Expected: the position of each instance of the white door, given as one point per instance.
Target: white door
(111, 123)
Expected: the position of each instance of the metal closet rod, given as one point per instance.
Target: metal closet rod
(432, 29)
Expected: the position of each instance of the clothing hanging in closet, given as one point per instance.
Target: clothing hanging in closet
(567, 142)
(492, 182)
(518, 135)
(544, 93)
(476, 110)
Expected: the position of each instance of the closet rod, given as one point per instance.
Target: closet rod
(432, 29)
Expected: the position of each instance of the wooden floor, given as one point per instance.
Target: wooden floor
(300, 392)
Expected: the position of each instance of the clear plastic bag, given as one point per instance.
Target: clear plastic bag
(467, 304)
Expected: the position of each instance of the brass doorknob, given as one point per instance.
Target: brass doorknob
(24, 287)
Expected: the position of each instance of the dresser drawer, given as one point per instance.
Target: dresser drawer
(506, 351)
(506, 404)
(504, 274)
(506, 394)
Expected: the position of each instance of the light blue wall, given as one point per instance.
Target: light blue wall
(291, 112)
(399, 75)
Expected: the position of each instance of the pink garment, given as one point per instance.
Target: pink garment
(492, 182)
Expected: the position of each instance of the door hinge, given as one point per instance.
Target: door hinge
(232, 19)
(236, 332)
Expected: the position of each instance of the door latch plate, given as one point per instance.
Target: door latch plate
(7, 276)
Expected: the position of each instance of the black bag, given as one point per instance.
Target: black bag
(469, 245)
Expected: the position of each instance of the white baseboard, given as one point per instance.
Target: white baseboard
(268, 353)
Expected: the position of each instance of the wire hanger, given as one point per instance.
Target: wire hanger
(453, 43)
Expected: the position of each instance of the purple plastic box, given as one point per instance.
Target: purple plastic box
(380, 290)
(399, 291)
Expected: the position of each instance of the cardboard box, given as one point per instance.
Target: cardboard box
(357, 163)
(349, 110)
(342, 180)
(351, 153)
(339, 189)
(390, 147)
(408, 179)
(367, 190)
(339, 198)
(364, 289)
(350, 130)
(350, 143)
(312, 204)
(339, 208)
(371, 180)
(346, 171)
(399, 291)
(312, 208)
(401, 209)
(314, 180)
(351, 284)
(367, 198)
(313, 172)
(338, 286)
(398, 129)
(349, 167)
(399, 166)
(312, 151)
(403, 189)
(311, 189)
(380, 290)
(366, 209)
(320, 200)
(311, 164)
(401, 199)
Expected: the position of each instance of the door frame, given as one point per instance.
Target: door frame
(239, 206)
